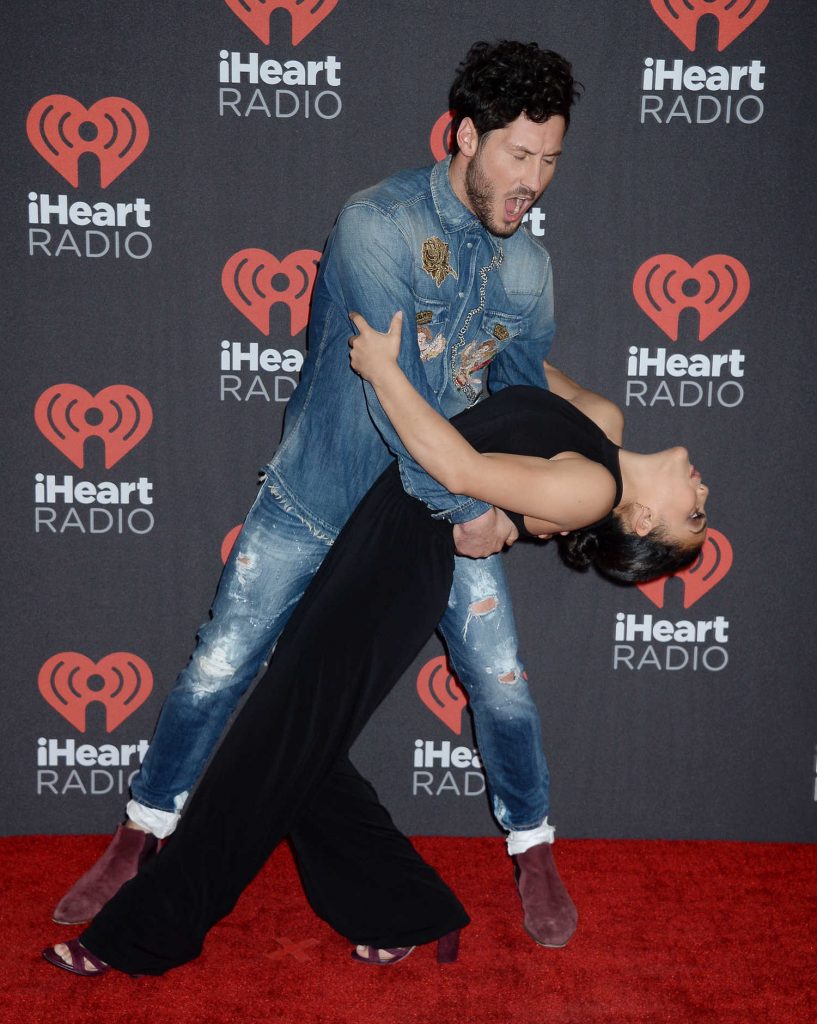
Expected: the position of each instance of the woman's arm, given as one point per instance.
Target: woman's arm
(562, 493)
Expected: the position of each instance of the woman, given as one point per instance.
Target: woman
(372, 605)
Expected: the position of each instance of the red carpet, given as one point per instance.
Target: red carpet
(681, 931)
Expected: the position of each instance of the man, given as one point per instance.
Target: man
(443, 245)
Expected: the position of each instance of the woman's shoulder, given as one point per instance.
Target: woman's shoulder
(604, 413)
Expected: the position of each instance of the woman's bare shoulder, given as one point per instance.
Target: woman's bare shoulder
(603, 413)
(600, 410)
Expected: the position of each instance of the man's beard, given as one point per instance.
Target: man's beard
(481, 194)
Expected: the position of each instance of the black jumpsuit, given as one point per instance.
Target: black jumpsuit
(283, 767)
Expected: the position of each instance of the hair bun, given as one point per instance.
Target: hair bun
(579, 548)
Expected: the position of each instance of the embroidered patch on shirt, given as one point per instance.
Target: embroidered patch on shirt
(430, 347)
(435, 254)
(500, 332)
(425, 316)
(470, 361)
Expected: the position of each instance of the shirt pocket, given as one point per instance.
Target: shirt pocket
(431, 321)
(501, 327)
(495, 331)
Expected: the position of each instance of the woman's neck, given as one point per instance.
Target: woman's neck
(635, 472)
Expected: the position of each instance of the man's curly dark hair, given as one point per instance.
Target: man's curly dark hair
(498, 81)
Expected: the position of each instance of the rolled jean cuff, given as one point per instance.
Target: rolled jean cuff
(523, 839)
(160, 823)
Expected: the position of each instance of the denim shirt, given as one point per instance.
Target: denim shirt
(477, 317)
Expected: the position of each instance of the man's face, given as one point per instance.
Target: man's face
(509, 169)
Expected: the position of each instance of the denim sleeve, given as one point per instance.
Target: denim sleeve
(520, 362)
(369, 272)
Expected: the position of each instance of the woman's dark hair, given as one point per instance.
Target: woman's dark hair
(622, 555)
(498, 81)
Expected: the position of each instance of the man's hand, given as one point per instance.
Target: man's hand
(485, 535)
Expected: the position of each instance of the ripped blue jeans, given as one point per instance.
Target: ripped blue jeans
(273, 561)
(271, 565)
(480, 634)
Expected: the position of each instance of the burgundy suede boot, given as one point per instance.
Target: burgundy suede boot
(126, 853)
(550, 915)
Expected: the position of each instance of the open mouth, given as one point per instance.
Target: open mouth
(514, 207)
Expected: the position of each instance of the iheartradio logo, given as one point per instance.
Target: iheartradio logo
(67, 415)
(250, 281)
(121, 682)
(733, 16)
(440, 138)
(716, 287)
(708, 569)
(441, 693)
(113, 129)
(306, 15)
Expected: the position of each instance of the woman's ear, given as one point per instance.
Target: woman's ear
(644, 520)
(638, 519)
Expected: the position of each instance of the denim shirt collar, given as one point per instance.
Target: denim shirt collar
(453, 215)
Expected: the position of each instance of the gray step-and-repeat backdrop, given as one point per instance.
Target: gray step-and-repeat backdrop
(172, 172)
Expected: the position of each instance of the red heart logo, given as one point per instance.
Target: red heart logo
(440, 138)
(70, 682)
(441, 693)
(306, 15)
(247, 282)
(61, 130)
(228, 543)
(719, 286)
(708, 569)
(67, 415)
(734, 17)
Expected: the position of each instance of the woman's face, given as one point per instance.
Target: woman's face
(679, 497)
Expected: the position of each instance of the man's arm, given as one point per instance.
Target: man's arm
(369, 271)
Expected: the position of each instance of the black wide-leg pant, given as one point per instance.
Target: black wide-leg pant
(283, 770)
